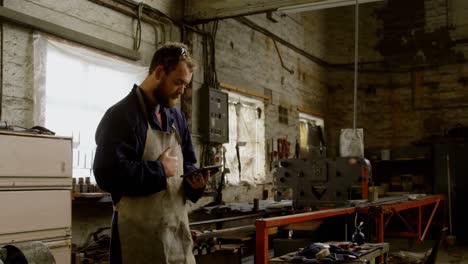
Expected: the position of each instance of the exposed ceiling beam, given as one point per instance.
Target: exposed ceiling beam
(26, 20)
(197, 11)
(202, 10)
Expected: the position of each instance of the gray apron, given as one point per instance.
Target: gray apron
(155, 228)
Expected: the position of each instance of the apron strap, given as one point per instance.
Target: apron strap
(145, 112)
(177, 136)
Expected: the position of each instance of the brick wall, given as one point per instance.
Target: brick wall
(244, 57)
(394, 109)
(248, 59)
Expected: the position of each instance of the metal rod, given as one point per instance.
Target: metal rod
(291, 71)
(419, 221)
(388, 219)
(356, 56)
(275, 37)
(411, 229)
(213, 221)
(346, 229)
(227, 231)
(429, 221)
(449, 193)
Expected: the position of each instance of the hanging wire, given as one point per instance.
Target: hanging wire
(213, 53)
(137, 39)
(356, 56)
(291, 71)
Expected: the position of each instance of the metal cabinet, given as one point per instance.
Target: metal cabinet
(35, 191)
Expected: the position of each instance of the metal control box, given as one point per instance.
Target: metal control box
(214, 115)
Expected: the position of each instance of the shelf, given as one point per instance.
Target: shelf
(92, 197)
(402, 160)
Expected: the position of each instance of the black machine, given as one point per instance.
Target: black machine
(322, 182)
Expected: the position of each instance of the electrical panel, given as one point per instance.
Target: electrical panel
(214, 115)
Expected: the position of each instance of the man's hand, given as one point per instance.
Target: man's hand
(199, 181)
(170, 163)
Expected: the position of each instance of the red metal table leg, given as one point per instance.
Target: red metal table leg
(261, 254)
(379, 224)
(444, 211)
(419, 222)
(429, 221)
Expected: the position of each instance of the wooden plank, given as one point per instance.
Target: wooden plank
(306, 110)
(243, 91)
(199, 10)
(22, 19)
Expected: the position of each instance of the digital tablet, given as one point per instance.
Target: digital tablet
(212, 168)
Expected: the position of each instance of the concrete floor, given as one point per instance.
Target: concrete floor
(457, 254)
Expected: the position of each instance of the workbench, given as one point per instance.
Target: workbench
(382, 211)
(263, 225)
(369, 256)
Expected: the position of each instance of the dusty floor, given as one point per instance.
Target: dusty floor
(447, 254)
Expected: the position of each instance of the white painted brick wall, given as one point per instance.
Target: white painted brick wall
(17, 93)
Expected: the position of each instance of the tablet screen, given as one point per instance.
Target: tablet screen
(212, 168)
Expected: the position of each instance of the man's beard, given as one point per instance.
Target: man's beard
(162, 99)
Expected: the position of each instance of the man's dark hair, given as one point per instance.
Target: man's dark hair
(169, 55)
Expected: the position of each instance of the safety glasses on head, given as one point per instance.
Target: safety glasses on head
(183, 51)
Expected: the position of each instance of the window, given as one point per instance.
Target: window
(246, 141)
(306, 118)
(75, 86)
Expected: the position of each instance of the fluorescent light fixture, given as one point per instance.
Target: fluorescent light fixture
(321, 5)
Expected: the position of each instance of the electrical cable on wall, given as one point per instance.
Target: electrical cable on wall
(291, 71)
(137, 40)
(158, 13)
(213, 53)
(209, 58)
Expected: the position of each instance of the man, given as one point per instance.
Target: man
(143, 147)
